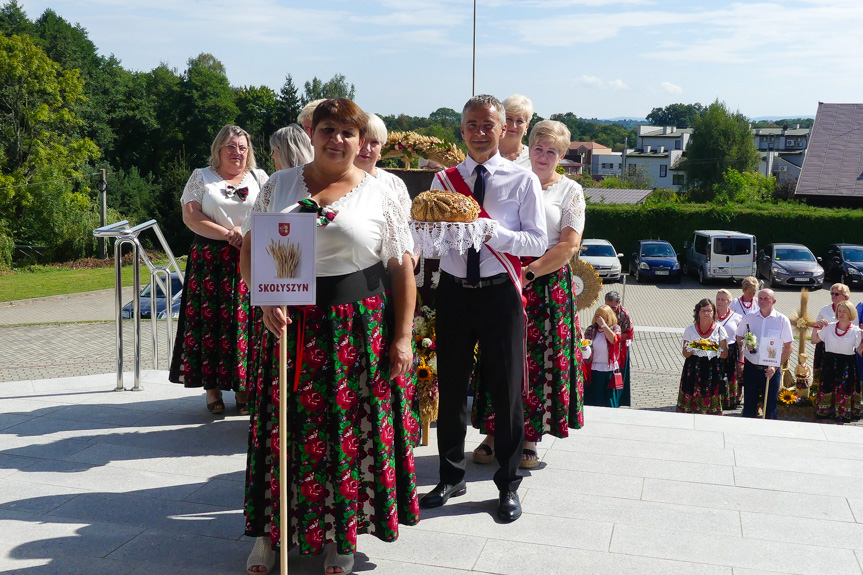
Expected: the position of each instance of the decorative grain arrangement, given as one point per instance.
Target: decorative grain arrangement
(286, 258)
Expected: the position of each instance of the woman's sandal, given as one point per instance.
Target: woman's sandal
(262, 554)
(483, 454)
(343, 562)
(211, 407)
(529, 459)
(243, 407)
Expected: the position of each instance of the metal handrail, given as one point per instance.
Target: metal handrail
(160, 277)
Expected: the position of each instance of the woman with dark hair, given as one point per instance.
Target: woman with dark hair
(704, 343)
(350, 423)
(212, 334)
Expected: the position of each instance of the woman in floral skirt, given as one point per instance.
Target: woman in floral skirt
(553, 398)
(351, 421)
(212, 333)
(839, 392)
(704, 345)
(728, 320)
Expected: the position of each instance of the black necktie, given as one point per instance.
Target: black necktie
(472, 254)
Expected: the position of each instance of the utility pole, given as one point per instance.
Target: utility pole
(102, 186)
(473, 75)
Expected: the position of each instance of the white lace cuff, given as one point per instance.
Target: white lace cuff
(572, 215)
(434, 239)
(195, 188)
(262, 203)
(397, 239)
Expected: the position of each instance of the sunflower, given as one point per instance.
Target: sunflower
(787, 397)
(424, 373)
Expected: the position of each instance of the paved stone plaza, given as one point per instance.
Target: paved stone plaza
(94, 481)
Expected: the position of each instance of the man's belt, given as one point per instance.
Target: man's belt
(756, 366)
(483, 283)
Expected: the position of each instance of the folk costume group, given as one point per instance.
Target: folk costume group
(350, 401)
(715, 380)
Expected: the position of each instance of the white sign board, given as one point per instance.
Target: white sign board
(770, 350)
(283, 259)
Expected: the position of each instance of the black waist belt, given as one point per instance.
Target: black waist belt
(355, 286)
(202, 240)
(756, 366)
(484, 282)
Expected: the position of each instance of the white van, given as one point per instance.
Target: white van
(720, 254)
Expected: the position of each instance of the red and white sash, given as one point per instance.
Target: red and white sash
(452, 181)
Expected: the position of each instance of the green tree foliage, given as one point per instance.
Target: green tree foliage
(635, 178)
(611, 135)
(679, 115)
(720, 140)
(335, 87)
(289, 103)
(787, 122)
(14, 21)
(258, 109)
(742, 187)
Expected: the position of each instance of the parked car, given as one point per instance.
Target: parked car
(720, 254)
(790, 264)
(161, 305)
(843, 263)
(654, 259)
(603, 257)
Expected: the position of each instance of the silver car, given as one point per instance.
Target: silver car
(603, 257)
(790, 265)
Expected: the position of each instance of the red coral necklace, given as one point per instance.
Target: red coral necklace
(704, 333)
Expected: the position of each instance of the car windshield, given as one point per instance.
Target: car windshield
(598, 251)
(176, 287)
(852, 254)
(657, 251)
(794, 255)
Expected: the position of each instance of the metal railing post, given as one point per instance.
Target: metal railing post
(118, 305)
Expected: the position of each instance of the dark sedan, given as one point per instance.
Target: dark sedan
(843, 263)
(790, 265)
(161, 304)
(654, 259)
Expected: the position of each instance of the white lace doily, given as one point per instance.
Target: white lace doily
(433, 239)
(709, 354)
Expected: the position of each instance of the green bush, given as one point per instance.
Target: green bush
(6, 247)
(624, 224)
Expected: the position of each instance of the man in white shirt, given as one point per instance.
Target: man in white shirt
(758, 365)
(477, 302)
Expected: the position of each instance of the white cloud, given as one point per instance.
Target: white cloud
(590, 81)
(671, 88)
(618, 85)
(597, 82)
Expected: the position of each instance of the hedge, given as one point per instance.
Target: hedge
(816, 228)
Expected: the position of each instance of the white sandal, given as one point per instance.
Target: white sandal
(343, 562)
(262, 554)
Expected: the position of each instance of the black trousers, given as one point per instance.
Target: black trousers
(493, 317)
(754, 382)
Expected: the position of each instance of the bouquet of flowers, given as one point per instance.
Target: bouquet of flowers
(750, 341)
(703, 348)
(586, 350)
(426, 369)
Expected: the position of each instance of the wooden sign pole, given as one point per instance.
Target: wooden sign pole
(283, 456)
(766, 391)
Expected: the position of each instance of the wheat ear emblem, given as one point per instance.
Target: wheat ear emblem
(286, 257)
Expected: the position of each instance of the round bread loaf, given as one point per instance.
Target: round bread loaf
(444, 206)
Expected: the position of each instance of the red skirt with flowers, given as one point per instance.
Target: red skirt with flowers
(211, 345)
(555, 396)
(350, 437)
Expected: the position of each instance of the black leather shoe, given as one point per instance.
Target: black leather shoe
(441, 493)
(509, 508)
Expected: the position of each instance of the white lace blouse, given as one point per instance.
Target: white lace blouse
(397, 185)
(219, 203)
(370, 226)
(564, 208)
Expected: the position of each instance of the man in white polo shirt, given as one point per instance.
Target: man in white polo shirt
(760, 363)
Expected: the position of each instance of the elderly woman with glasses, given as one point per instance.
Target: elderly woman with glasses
(827, 315)
(212, 334)
(519, 111)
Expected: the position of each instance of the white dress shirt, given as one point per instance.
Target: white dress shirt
(513, 197)
(775, 325)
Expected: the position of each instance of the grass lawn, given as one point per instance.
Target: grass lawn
(42, 281)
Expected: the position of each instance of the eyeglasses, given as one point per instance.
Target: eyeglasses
(237, 149)
(835, 294)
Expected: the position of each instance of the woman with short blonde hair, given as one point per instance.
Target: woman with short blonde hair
(368, 156)
(839, 293)
(746, 304)
(729, 321)
(604, 336)
(838, 395)
(291, 147)
(519, 112)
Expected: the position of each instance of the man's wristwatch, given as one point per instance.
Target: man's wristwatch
(529, 275)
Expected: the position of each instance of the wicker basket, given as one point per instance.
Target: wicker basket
(796, 412)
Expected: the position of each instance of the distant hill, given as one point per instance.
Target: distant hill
(775, 118)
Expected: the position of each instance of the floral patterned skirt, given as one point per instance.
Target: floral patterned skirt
(350, 434)
(211, 345)
(733, 394)
(818, 361)
(700, 386)
(839, 392)
(555, 396)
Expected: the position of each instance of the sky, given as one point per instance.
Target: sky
(594, 58)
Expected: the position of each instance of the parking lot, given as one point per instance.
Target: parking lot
(38, 342)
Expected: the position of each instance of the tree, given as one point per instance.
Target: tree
(680, 115)
(335, 87)
(720, 140)
(14, 21)
(445, 116)
(741, 187)
(289, 103)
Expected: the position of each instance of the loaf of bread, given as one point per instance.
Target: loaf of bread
(444, 206)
